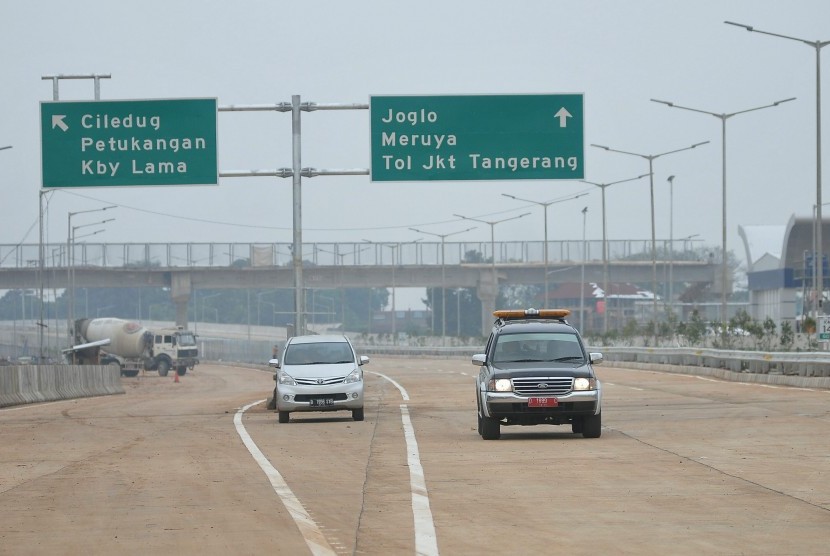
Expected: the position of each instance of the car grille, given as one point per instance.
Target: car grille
(188, 352)
(340, 397)
(320, 381)
(542, 386)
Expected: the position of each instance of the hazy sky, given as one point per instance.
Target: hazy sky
(619, 54)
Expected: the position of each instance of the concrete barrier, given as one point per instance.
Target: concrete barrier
(41, 383)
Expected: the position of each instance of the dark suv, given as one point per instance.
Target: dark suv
(535, 371)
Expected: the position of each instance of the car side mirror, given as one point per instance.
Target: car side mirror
(363, 359)
(479, 359)
(596, 358)
(274, 363)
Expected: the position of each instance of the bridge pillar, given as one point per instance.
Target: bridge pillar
(487, 291)
(180, 288)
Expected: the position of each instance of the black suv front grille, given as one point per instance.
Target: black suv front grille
(542, 386)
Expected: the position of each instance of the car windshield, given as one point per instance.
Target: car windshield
(318, 353)
(187, 339)
(538, 347)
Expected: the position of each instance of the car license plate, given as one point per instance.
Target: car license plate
(542, 402)
(320, 402)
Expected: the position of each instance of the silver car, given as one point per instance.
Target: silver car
(318, 373)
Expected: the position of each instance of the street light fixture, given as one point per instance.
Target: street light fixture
(817, 45)
(492, 225)
(723, 117)
(605, 277)
(443, 277)
(545, 205)
(70, 231)
(651, 158)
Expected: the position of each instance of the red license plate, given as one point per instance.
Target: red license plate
(542, 402)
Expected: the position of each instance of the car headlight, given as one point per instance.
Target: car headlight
(585, 384)
(354, 376)
(285, 378)
(500, 385)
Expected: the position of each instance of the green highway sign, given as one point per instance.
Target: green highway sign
(129, 142)
(477, 137)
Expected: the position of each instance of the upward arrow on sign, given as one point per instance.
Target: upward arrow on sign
(563, 116)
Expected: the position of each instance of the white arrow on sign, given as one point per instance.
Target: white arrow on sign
(563, 116)
(57, 121)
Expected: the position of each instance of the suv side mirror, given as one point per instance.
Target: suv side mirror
(596, 358)
(479, 359)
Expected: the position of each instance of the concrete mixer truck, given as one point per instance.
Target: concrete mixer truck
(110, 341)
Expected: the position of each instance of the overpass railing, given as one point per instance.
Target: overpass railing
(172, 255)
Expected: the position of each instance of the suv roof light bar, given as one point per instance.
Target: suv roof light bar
(507, 314)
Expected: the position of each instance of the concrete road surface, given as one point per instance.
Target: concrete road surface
(684, 466)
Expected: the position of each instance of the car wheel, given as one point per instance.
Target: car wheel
(490, 428)
(478, 412)
(577, 425)
(272, 402)
(357, 414)
(181, 371)
(283, 416)
(164, 366)
(592, 426)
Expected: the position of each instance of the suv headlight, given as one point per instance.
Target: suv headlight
(500, 385)
(585, 384)
(285, 378)
(354, 376)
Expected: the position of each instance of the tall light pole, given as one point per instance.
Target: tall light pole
(582, 281)
(443, 276)
(70, 256)
(393, 247)
(545, 205)
(817, 45)
(723, 117)
(651, 158)
(605, 277)
(670, 179)
(492, 225)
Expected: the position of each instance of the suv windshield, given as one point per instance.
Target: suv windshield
(538, 346)
(318, 353)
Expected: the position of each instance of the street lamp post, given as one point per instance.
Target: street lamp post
(582, 281)
(723, 117)
(545, 205)
(70, 312)
(670, 179)
(443, 277)
(605, 277)
(393, 247)
(492, 225)
(651, 158)
(817, 45)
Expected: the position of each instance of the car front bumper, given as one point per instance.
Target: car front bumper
(504, 404)
(337, 397)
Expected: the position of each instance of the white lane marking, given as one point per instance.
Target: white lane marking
(426, 541)
(35, 404)
(623, 386)
(311, 533)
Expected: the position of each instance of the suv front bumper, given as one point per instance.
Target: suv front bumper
(576, 403)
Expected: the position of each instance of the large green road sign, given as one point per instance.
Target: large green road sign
(128, 142)
(477, 137)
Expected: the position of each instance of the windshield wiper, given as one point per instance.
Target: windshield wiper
(570, 358)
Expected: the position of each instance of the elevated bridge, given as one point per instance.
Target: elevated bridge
(185, 267)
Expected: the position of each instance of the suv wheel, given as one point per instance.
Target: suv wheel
(490, 428)
(592, 426)
(577, 425)
(357, 414)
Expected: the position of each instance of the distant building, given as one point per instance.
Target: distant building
(780, 269)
